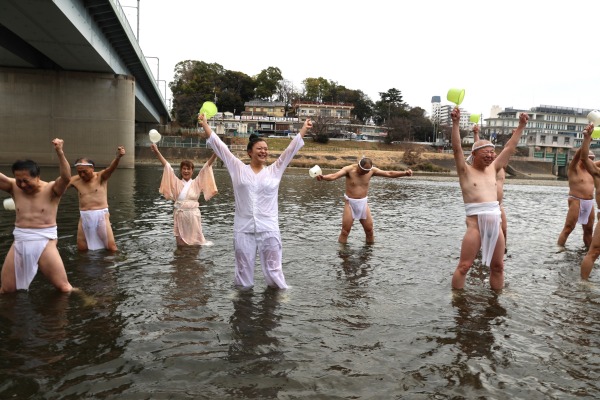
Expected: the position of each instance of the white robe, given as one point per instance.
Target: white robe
(256, 220)
(187, 221)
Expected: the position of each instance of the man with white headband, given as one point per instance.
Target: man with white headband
(35, 233)
(94, 231)
(478, 183)
(500, 179)
(356, 206)
(580, 200)
(593, 167)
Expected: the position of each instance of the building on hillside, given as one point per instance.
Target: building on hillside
(339, 112)
(264, 108)
(551, 133)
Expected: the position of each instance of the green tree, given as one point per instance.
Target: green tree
(234, 90)
(413, 126)
(363, 105)
(194, 83)
(316, 89)
(266, 83)
(389, 106)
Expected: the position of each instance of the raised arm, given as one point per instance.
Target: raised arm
(205, 127)
(211, 160)
(106, 173)
(459, 157)
(476, 133)
(307, 125)
(62, 182)
(509, 148)
(575, 160)
(584, 151)
(336, 175)
(391, 174)
(160, 157)
(6, 183)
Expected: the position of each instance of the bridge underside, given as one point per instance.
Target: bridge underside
(72, 69)
(94, 114)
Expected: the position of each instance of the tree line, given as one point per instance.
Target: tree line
(196, 82)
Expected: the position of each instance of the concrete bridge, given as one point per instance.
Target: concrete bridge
(72, 69)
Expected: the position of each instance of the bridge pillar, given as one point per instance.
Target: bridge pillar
(93, 112)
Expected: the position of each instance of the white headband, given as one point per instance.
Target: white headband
(363, 168)
(469, 159)
(84, 164)
(482, 146)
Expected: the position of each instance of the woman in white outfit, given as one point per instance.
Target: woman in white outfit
(256, 221)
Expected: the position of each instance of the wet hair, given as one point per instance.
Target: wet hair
(82, 160)
(365, 164)
(26, 165)
(186, 163)
(253, 140)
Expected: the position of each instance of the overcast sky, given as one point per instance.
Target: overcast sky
(509, 53)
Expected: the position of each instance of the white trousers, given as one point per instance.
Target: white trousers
(268, 245)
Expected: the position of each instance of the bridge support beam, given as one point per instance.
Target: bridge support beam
(93, 112)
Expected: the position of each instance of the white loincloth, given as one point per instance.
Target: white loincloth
(488, 219)
(358, 207)
(585, 209)
(93, 224)
(29, 245)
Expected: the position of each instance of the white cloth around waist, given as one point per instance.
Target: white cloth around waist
(490, 207)
(29, 246)
(358, 207)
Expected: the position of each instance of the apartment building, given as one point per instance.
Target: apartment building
(340, 112)
(552, 131)
(440, 114)
(264, 108)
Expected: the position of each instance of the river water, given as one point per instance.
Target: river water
(359, 322)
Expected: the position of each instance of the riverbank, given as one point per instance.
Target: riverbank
(421, 159)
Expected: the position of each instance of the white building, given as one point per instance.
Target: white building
(552, 131)
(440, 114)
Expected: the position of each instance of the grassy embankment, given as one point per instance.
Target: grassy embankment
(337, 154)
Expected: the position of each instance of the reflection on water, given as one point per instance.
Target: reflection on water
(359, 321)
(254, 353)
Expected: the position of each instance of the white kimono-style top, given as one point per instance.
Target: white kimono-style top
(256, 194)
(186, 215)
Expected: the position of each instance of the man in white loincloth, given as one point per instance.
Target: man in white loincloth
(356, 205)
(35, 233)
(580, 200)
(478, 183)
(500, 179)
(587, 264)
(94, 231)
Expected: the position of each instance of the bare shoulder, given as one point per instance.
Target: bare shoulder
(349, 168)
(74, 181)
